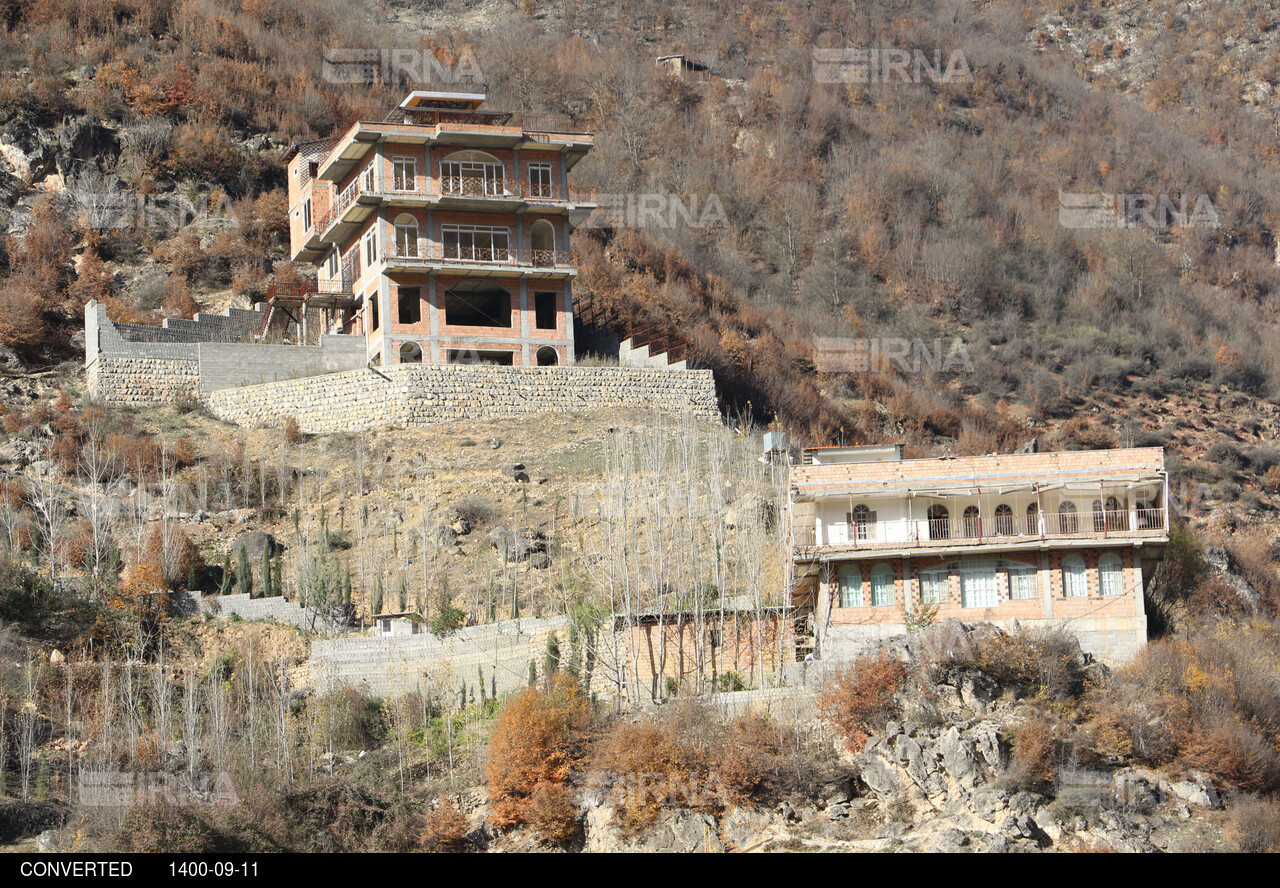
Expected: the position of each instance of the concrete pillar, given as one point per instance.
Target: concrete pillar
(568, 320)
(433, 311)
(524, 323)
(384, 315)
(908, 600)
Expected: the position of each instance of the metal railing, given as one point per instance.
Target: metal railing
(392, 186)
(425, 252)
(950, 531)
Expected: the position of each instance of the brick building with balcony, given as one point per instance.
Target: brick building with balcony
(440, 234)
(1060, 539)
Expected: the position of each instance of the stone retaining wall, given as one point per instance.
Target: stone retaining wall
(390, 666)
(411, 395)
(149, 366)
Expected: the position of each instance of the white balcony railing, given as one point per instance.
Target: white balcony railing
(933, 532)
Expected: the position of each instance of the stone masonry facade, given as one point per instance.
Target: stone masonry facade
(411, 395)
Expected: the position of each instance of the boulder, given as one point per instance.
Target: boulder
(253, 542)
(1197, 791)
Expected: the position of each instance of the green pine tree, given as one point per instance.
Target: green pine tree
(551, 659)
(267, 585)
(244, 574)
(277, 579)
(42, 779)
(225, 587)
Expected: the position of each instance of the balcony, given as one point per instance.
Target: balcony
(480, 261)
(355, 203)
(999, 531)
(473, 129)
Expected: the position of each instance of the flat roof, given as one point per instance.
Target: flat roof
(425, 98)
(1001, 470)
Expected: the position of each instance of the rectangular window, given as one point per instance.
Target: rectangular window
(882, 583)
(540, 180)
(370, 249)
(332, 265)
(410, 305)
(933, 586)
(476, 243)
(544, 310)
(1022, 582)
(367, 180)
(478, 308)
(472, 356)
(978, 584)
(373, 312)
(404, 174)
(312, 170)
(386, 626)
(306, 214)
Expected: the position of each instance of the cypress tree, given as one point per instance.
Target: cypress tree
(277, 581)
(244, 574)
(267, 586)
(224, 588)
(551, 660)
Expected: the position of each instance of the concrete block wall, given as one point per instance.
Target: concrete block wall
(421, 394)
(390, 666)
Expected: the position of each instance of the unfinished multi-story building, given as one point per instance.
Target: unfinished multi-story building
(440, 234)
(879, 543)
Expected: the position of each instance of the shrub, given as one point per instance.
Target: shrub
(290, 430)
(166, 829)
(551, 812)
(1235, 753)
(1034, 763)
(444, 827)
(1047, 661)
(860, 698)
(538, 737)
(1253, 826)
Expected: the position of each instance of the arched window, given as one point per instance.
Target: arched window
(972, 521)
(862, 520)
(882, 585)
(849, 583)
(939, 523)
(406, 236)
(1067, 522)
(1111, 574)
(1033, 519)
(933, 585)
(1075, 584)
(548, 356)
(978, 583)
(1004, 520)
(472, 174)
(542, 237)
(1022, 579)
(1099, 519)
(410, 353)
